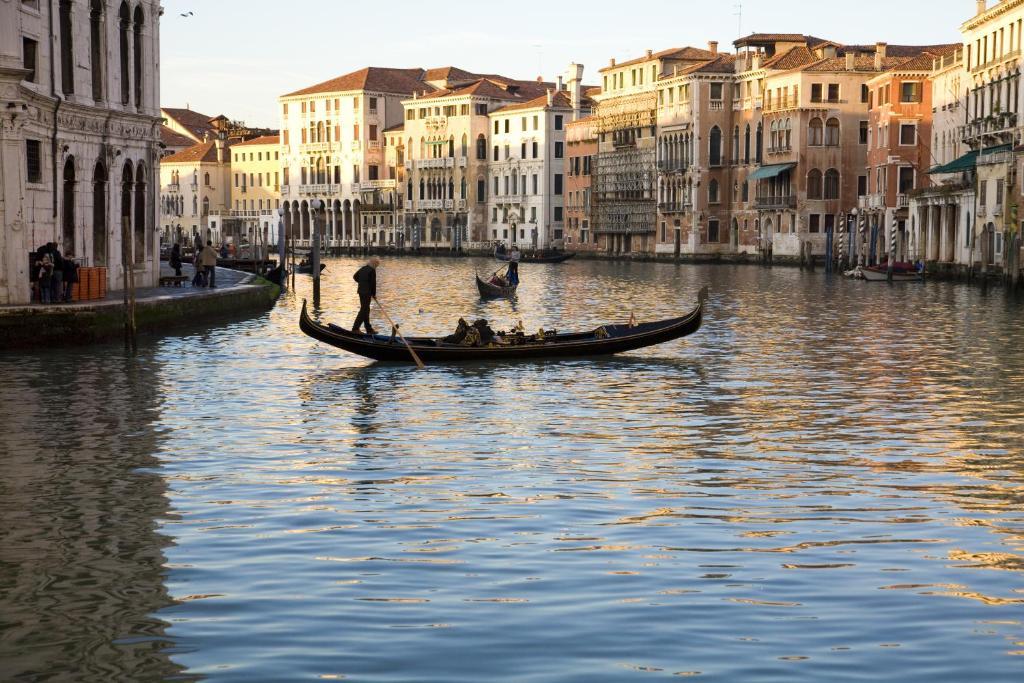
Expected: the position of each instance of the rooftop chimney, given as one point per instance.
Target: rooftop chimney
(851, 60)
(574, 76)
(981, 6)
(650, 53)
(550, 98)
(561, 85)
(611, 62)
(713, 47)
(880, 50)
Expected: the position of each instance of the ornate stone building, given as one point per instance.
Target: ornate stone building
(80, 136)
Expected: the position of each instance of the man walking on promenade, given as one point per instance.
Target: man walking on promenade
(367, 279)
(208, 260)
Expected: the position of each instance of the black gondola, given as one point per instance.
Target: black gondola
(307, 268)
(491, 291)
(604, 341)
(541, 257)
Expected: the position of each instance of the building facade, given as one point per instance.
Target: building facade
(580, 165)
(80, 138)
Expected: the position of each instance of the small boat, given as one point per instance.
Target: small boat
(902, 272)
(306, 268)
(539, 257)
(604, 341)
(489, 290)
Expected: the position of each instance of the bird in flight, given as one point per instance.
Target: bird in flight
(186, 14)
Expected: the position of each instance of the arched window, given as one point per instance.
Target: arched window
(713, 191)
(137, 48)
(495, 152)
(206, 206)
(831, 184)
(124, 21)
(481, 147)
(462, 188)
(773, 135)
(319, 131)
(736, 145)
(195, 205)
(206, 179)
(814, 184)
(68, 206)
(746, 146)
(67, 52)
(715, 147)
(423, 190)
(451, 187)
(789, 132)
(759, 143)
(96, 51)
(832, 133)
(451, 147)
(815, 133)
(99, 214)
(465, 146)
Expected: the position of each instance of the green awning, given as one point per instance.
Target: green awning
(964, 163)
(968, 161)
(766, 172)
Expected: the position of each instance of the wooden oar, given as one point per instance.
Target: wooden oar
(415, 357)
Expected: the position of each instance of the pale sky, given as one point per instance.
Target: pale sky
(235, 57)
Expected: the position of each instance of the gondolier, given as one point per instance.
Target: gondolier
(366, 277)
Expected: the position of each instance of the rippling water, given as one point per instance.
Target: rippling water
(825, 483)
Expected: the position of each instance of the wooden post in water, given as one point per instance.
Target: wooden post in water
(128, 266)
(314, 258)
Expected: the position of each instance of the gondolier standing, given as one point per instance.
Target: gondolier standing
(367, 279)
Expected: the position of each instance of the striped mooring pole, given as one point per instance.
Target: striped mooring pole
(842, 240)
(892, 247)
(863, 239)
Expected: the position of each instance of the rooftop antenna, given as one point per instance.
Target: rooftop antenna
(739, 15)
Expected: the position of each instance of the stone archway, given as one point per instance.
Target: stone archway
(68, 209)
(99, 215)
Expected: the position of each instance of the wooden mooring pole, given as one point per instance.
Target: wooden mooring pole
(128, 266)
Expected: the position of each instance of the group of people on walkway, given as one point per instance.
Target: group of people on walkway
(54, 275)
(204, 261)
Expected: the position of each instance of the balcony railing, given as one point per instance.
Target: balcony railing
(781, 202)
(444, 162)
(368, 185)
(174, 187)
(319, 189)
(902, 201)
(675, 207)
(408, 205)
(716, 105)
(672, 166)
(429, 204)
(315, 147)
(373, 145)
(286, 190)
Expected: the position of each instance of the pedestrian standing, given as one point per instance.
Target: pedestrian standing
(175, 260)
(57, 279)
(45, 278)
(208, 260)
(366, 277)
(70, 278)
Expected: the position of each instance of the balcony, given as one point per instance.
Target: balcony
(408, 205)
(902, 201)
(174, 187)
(716, 105)
(431, 204)
(462, 161)
(780, 202)
(315, 147)
(1005, 57)
(373, 145)
(780, 149)
(318, 190)
(423, 164)
(461, 204)
(286, 190)
(675, 207)
(871, 201)
(449, 204)
(1001, 126)
(672, 166)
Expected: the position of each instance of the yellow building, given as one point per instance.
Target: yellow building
(255, 192)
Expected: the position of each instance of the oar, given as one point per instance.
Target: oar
(419, 363)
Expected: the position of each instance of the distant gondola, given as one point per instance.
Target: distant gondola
(492, 291)
(603, 341)
(307, 268)
(540, 257)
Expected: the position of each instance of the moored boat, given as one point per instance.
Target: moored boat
(901, 273)
(307, 268)
(490, 290)
(539, 257)
(603, 341)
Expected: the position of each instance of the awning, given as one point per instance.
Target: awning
(766, 172)
(968, 161)
(964, 163)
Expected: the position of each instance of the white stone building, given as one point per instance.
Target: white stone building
(526, 204)
(79, 140)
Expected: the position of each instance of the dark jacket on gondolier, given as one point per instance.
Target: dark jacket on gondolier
(367, 279)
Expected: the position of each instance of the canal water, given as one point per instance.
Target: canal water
(825, 483)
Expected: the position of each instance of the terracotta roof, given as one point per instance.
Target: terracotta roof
(264, 140)
(679, 53)
(792, 58)
(172, 138)
(395, 128)
(481, 88)
(449, 73)
(862, 62)
(762, 38)
(902, 50)
(560, 99)
(373, 78)
(196, 123)
(204, 152)
(722, 64)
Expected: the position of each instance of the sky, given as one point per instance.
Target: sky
(236, 57)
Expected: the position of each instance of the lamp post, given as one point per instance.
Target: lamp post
(316, 206)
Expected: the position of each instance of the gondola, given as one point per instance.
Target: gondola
(901, 273)
(489, 291)
(307, 268)
(603, 341)
(558, 257)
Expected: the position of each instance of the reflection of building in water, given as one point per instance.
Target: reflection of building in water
(81, 569)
